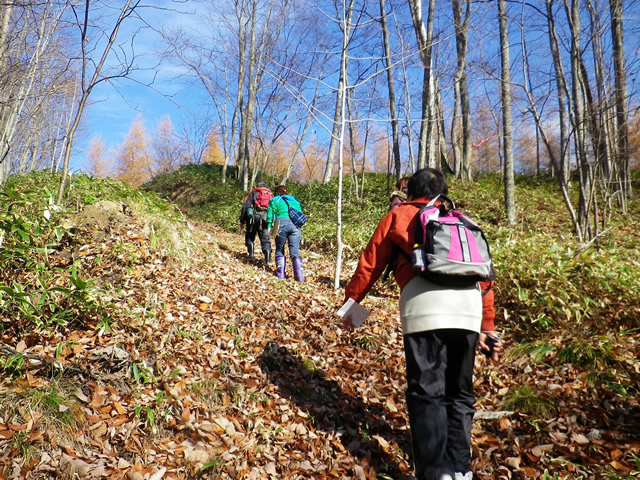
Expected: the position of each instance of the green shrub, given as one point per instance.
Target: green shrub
(595, 354)
(527, 400)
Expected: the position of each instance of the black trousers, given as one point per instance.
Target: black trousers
(440, 400)
(259, 227)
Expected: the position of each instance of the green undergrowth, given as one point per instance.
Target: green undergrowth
(548, 286)
(33, 195)
(545, 278)
(35, 291)
(198, 192)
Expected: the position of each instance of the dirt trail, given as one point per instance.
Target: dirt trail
(212, 368)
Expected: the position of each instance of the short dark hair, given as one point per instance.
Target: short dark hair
(281, 190)
(427, 182)
(262, 185)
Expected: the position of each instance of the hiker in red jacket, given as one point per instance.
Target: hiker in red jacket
(254, 215)
(441, 326)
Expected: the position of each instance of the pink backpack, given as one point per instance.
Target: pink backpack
(450, 249)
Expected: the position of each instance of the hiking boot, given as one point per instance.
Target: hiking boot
(267, 258)
(280, 267)
(298, 273)
(250, 249)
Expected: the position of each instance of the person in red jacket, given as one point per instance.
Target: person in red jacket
(441, 326)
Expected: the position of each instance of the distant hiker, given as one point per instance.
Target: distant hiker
(396, 198)
(254, 216)
(399, 195)
(441, 326)
(279, 212)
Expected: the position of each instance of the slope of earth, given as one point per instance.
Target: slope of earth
(213, 369)
(216, 369)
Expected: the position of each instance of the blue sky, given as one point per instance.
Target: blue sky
(113, 106)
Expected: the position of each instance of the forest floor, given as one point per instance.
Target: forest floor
(219, 370)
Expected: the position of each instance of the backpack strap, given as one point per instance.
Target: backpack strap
(391, 266)
(393, 261)
(491, 282)
(289, 205)
(396, 250)
(248, 195)
(443, 198)
(279, 197)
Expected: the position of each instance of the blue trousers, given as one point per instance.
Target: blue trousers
(288, 233)
(440, 400)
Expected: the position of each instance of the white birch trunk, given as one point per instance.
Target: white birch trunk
(346, 19)
(505, 83)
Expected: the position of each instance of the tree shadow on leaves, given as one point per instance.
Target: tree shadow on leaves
(243, 257)
(355, 422)
(324, 280)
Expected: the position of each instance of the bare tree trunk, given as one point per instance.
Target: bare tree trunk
(351, 120)
(246, 114)
(28, 80)
(509, 184)
(622, 130)
(432, 155)
(411, 164)
(66, 119)
(340, 94)
(443, 162)
(455, 132)
(424, 37)
(34, 155)
(462, 92)
(364, 149)
(366, 139)
(601, 121)
(395, 134)
(307, 122)
(6, 12)
(562, 91)
(559, 161)
(585, 173)
(346, 20)
(243, 35)
(257, 48)
(227, 141)
(335, 132)
(86, 89)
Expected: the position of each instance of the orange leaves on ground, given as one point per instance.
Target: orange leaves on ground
(254, 378)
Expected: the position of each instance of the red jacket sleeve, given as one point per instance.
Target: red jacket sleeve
(488, 308)
(373, 261)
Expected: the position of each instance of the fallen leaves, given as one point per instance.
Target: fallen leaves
(252, 377)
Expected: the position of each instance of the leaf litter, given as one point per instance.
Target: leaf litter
(216, 369)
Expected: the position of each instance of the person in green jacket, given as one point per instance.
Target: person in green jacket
(287, 232)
